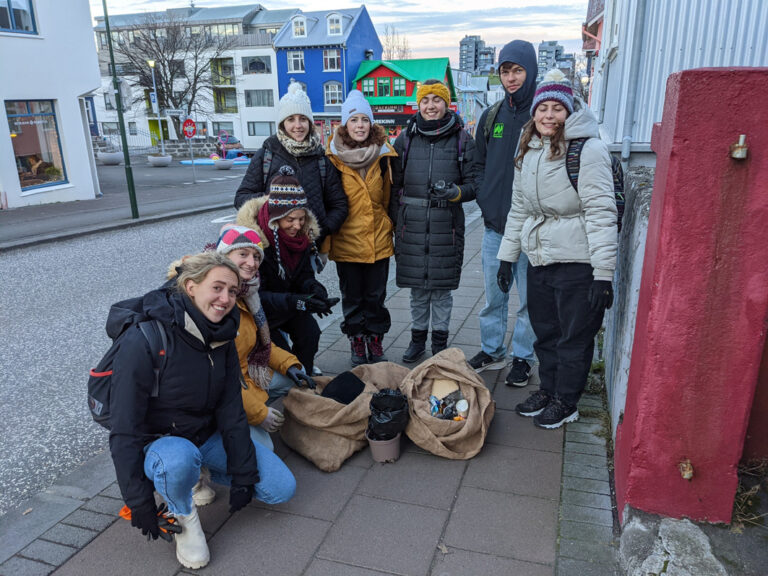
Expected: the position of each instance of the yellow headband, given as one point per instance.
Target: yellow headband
(440, 90)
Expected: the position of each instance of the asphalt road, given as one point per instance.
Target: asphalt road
(54, 300)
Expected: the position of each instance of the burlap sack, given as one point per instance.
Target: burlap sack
(448, 438)
(327, 432)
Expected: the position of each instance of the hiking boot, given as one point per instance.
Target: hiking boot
(482, 361)
(534, 405)
(417, 347)
(359, 355)
(556, 414)
(439, 341)
(519, 374)
(202, 493)
(375, 349)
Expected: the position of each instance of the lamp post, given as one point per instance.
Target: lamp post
(156, 106)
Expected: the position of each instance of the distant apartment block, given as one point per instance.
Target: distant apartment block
(552, 55)
(474, 55)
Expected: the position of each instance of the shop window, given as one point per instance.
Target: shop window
(257, 65)
(261, 128)
(17, 16)
(36, 142)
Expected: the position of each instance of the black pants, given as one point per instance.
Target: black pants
(304, 332)
(363, 292)
(565, 326)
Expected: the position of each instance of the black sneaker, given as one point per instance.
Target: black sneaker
(482, 361)
(556, 414)
(535, 403)
(519, 374)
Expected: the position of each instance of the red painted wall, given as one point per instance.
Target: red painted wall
(756, 443)
(703, 305)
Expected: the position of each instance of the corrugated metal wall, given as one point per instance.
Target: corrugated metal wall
(679, 35)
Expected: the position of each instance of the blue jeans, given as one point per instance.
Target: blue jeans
(437, 302)
(493, 317)
(173, 464)
(278, 387)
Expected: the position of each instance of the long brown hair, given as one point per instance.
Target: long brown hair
(377, 136)
(556, 142)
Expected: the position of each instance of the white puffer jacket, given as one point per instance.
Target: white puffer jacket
(549, 220)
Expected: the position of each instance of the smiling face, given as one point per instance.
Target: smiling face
(215, 296)
(512, 76)
(432, 107)
(359, 127)
(247, 261)
(548, 117)
(297, 127)
(293, 222)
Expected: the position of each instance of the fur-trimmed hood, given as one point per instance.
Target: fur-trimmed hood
(248, 215)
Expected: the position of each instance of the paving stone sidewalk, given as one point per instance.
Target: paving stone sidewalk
(533, 502)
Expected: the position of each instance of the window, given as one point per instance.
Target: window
(222, 72)
(333, 94)
(122, 69)
(227, 127)
(36, 144)
(369, 87)
(177, 68)
(108, 102)
(299, 27)
(223, 30)
(225, 100)
(383, 84)
(398, 87)
(110, 128)
(17, 16)
(132, 130)
(103, 45)
(261, 128)
(257, 65)
(254, 98)
(295, 61)
(334, 25)
(331, 60)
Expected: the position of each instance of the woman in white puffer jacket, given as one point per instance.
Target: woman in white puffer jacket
(570, 238)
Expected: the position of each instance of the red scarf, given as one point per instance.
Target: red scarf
(290, 249)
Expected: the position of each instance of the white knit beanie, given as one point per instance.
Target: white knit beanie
(355, 104)
(295, 101)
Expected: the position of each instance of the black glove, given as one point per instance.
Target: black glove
(601, 295)
(308, 303)
(450, 192)
(329, 303)
(297, 374)
(239, 497)
(144, 517)
(504, 276)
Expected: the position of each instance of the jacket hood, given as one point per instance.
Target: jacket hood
(248, 216)
(156, 304)
(582, 123)
(522, 53)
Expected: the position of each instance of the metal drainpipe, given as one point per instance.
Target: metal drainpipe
(634, 75)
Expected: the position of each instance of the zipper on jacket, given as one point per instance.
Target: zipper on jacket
(429, 209)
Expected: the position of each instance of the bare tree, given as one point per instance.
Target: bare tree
(186, 61)
(395, 46)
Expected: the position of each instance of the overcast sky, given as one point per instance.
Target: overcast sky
(433, 29)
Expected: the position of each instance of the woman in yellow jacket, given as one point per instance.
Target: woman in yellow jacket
(363, 245)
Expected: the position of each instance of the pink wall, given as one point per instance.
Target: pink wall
(703, 305)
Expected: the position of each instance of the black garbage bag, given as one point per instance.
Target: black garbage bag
(389, 415)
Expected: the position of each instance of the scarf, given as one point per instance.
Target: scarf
(258, 358)
(293, 247)
(433, 129)
(210, 331)
(359, 159)
(304, 148)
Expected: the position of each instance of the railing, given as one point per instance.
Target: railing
(256, 39)
(142, 142)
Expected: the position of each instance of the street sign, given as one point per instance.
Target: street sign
(174, 112)
(189, 128)
(153, 100)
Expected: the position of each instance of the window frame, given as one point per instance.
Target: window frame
(251, 127)
(339, 91)
(295, 23)
(382, 81)
(265, 59)
(337, 18)
(398, 87)
(12, 19)
(368, 87)
(290, 56)
(328, 59)
(258, 93)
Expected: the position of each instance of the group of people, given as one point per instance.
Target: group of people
(239, 315)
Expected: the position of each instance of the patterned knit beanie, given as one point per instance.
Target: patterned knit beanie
(234, 237)
(285, 195)
(555, 86)
(295, 101)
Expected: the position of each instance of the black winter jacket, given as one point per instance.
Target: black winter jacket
(429, 234)
(199, 394)
(328, 203)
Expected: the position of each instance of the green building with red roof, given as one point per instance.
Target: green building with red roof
(390, 87)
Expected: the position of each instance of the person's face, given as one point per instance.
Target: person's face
(358, 127)
(512, 77)
(215, 296)
(293, 222)
(549, 116)
(297, 127)
(432, 107)
(247, 261)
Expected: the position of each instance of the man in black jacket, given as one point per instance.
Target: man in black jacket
(497, 140)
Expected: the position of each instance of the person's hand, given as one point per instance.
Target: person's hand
(451, 192)
(504, 276)
(297, 374)
(273, 421)
(308, 303)
(144, 517)
(601, 295)
(329, 303)
(239, 497)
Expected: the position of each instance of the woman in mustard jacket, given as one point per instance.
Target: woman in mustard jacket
(363, 245)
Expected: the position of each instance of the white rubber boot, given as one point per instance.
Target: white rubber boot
(202, 493)
(191, 547)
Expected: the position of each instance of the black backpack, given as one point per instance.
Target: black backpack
(573, 164)
(100, 377)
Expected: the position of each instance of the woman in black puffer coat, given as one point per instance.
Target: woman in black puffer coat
(297, 145)
(436, 174)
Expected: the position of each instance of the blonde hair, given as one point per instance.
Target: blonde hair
(197, 267)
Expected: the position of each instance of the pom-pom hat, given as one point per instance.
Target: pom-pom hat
(556, 87)
(285, 195)
(295, 101)
(235, 237)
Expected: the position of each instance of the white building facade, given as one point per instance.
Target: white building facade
(47, 71)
